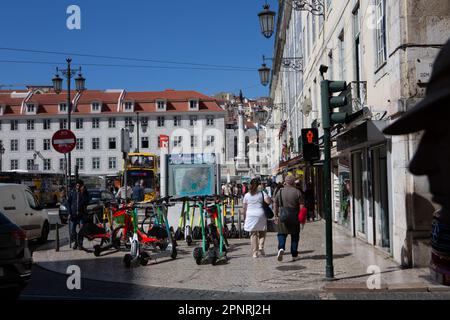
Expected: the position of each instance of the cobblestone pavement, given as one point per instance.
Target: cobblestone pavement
(245, 277)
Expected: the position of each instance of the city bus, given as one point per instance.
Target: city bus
(143, 168)
(46, 187)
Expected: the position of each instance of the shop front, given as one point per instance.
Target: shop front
(361, 184)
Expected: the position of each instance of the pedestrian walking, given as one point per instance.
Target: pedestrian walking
(255, 218)
(138, 193)
(77, 206)
(121, 193)
(288, 202)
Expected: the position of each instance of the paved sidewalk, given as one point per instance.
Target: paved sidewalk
(244, 274)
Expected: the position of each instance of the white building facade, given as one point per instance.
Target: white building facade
(28, 119)
(384, 50)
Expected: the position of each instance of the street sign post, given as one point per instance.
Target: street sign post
(64, 141)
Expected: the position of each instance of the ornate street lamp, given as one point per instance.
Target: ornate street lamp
(264, 74)
(57, 87)
(267, 21)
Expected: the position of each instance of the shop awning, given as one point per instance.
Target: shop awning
(365, 134)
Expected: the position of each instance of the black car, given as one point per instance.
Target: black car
(15, 259)
(98, 198)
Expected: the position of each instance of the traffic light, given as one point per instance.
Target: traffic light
(310, 143)
(331, 102)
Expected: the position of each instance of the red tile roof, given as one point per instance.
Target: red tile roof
(177, 101)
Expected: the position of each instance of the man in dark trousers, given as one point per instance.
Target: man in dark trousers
(138, 193)
(432, 157)
(77, 207)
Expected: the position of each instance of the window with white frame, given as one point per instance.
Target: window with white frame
(161, 121)
(30, 124)
(128, 121)
(62, 123)
(31, 108)
(30, 144)
(79, 162)
(79, 144)
(2, 110)
(194, 143)
(79, 123)
(14, 125)
(63, 107)
(193, 121)
(95, 123)
(145, 144)
(46, 124)
(210, 120)
(176, 121)
(14, 164)
(47, 164)
(381, 32)
(95, 163)
(95, 143)
(161, 105)
(112, 144)
(193, 104)
(62, 164)
(112, 163)
(30, 164)
(210, 141)
(96, 107)
(177, 141)
(129, 106)
(14, 145)
(111, 122)
(46, 145)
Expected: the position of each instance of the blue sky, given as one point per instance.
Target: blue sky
(198, 31)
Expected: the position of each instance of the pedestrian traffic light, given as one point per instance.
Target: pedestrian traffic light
(331, 102)
(310, 143)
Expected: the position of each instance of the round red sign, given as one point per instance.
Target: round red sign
(63, 141)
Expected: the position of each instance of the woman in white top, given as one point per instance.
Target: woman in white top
(255, 219)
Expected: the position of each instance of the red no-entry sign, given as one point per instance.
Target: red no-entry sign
(63, 141)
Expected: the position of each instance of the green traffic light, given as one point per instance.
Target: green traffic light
(337, 86)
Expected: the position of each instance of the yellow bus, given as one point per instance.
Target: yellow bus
(143, 168)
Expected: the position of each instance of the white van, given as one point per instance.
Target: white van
(18, 203)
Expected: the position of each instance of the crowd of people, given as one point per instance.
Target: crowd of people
(282, 198)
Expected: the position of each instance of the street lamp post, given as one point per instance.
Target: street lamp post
(137, 132)
(79, 85)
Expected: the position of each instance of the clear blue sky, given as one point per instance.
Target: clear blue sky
(199, 31)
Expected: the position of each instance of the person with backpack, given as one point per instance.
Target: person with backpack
(287, 204)
(255, 218)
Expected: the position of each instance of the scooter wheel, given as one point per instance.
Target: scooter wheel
(97, 250)
(174, 253)
(189, 240)
(127, 260)
(143, 259)
(198, 255)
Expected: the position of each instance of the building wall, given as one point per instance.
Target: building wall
(414, 31)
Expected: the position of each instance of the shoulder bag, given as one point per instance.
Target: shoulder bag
(267, 210)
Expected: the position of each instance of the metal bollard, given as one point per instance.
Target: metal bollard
(239, 224)
(57, 237)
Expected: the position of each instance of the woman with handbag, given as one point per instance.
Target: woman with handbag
(287, 204)
(255, 217)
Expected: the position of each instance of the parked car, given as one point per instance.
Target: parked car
(19, 204)
(98, 198)
(15, 259)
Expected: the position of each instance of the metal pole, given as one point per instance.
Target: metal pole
(137, 132)
(326, 122)
(57, 237)
(67, 197)
(69, 111)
